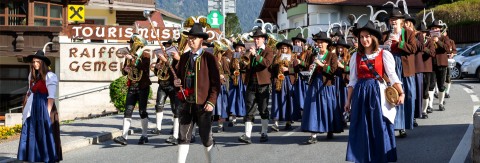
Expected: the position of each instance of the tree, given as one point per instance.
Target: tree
(232, 25)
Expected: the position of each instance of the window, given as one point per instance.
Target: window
(14, 85)
(334, 17)
(323, 18)
(48, 14)
(13, 12)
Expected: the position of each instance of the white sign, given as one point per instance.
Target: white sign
(217, 5)
(95, 61)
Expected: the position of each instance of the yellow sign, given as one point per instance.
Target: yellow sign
(76, 13)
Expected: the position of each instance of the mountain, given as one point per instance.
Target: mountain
(247, 10)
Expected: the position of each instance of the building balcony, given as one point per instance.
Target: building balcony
(24, 40)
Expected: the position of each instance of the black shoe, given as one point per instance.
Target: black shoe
(220, 129)
(441, 108)
(120, 140)
(192, 140)
(330, 135)
(169, 139)
(143, 140)
(402, 133)
(415, 124)
(288, 127)
(245, 139)
(429, 110)
(275, 128)
(155, 131)
(264, 138)
(424, 116)
(447, 95)
(312, 140)
(444, 102)
(231, 124)
(435, 95)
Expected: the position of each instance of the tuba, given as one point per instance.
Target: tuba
(162, 72)
(137, 43)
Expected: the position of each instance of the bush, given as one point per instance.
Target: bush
(118, 93)
(459, 13)
(6, 132)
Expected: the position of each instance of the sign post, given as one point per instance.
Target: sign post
(215, 19)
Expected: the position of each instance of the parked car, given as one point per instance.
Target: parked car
(466, 54)
(471, 68)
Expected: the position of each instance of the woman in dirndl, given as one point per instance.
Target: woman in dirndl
(236, 102)
(40, 136)
(284, 68)
(321, 114)
(220, 110)
(403, 46)
(342, 73)
(371, 135)
(300, 85)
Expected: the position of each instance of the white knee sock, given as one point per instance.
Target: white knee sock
(314, 135)
(425, 105)
(144, 126)
(182, 152)
(275, 123)
(441, 97)
(448, 88)
(234, 119)
(159, 120)
(248, 128)
(264, 126)
(126, 126)
(175, 127)
(430, 101)
(209, 153)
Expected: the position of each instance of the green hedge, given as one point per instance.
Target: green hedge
(118, 93)
(462, 12)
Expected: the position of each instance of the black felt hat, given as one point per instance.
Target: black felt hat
(341, 41)
(238, 43)
(396, 13)
(435, 23)
(168, 42)
(322, 36)
(259, 33)
(423, 27)
(410, 18)
(39, 55)
(299, 37)
(285, 42)
(197, 30)
(371, 28)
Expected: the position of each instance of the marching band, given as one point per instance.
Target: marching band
(377, 78)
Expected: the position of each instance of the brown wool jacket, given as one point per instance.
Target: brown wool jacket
(423, 58)
(261, 70)
(332, 62)
(293, 69)
(207, 83)
(409, 49)
(442, 47)
(144, 66)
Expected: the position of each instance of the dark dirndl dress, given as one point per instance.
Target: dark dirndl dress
(371, 136)
(37, 142)
(220, 109)
(300, 90)
(321, 113)
(419, 94)
(405, 112)
(282, 103)
(341, 87)
(236, 101)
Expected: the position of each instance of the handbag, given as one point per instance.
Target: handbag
(391, 94)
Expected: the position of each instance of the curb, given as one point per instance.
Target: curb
(81, 143)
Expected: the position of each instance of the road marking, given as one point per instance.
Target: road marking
(292, 132)
(463, 147)
(474, 98)
(469, 91)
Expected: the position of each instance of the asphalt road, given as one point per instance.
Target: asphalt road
(436, 140)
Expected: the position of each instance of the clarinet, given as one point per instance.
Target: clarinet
(313, 69)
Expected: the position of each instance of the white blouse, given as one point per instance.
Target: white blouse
(389, 110)
(51, 82)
